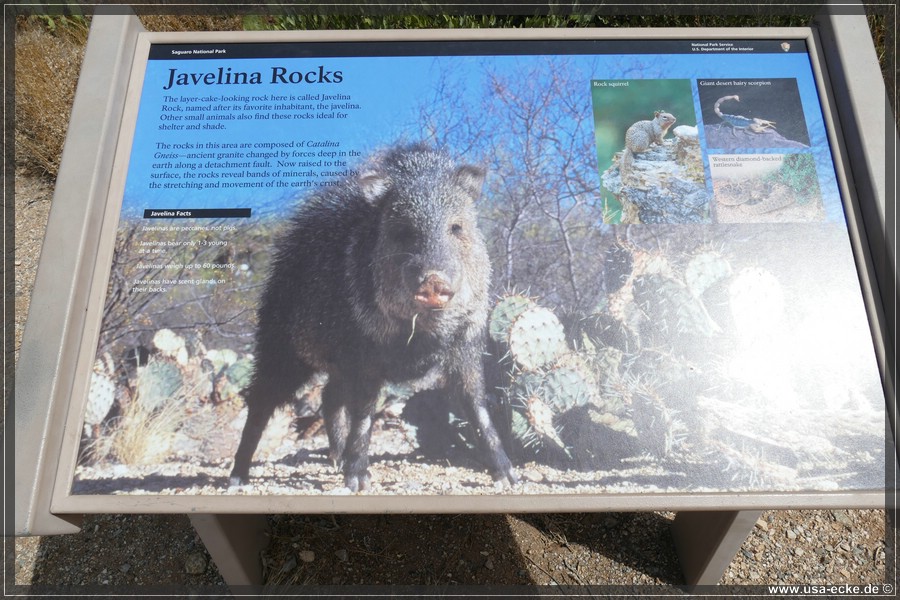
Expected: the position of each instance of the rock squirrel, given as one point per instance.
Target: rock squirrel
(641, 135)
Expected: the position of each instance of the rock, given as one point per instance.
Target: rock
(666, 185)
(840, 516)
(307, 556)
(195, 563)
(531, 475)
(289, 565)
(686, 132)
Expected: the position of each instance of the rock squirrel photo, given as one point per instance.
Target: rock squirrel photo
(641, 135)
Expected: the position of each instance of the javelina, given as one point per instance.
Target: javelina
(381, 277)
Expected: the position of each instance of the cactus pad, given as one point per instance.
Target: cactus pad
(101, 395)
(540, 418)
(239, 373)
(536, 338)
(171, 344)
(222, 358)
(523, 431)
(157, 382)
(532, 417)
(671, 309)
(704, 270)
(541, 396)
(659, 431)
(757, 301)
(617, 266)
(505, 312)
(567, 387)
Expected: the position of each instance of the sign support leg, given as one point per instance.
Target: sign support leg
(234, 542)
(706, 542)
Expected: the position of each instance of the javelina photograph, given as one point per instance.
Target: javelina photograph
(383, 277)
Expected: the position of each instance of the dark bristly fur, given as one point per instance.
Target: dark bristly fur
(382, 277)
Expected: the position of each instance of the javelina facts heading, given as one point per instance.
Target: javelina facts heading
(382, 277)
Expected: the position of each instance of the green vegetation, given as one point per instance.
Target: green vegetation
(303, 21)
(798, 172)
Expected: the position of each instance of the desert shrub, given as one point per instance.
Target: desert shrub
(147, 436)
(45, 90)
(139, 435)
(177, 22)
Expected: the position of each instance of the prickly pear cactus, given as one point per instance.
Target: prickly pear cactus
(222, 358)
(171, 345)
(157, 382)
(567, 387)
(600, 330)
(532, 417)
(239, 373)
(671, 310)
(505, 312)
(618, 264)
(658, 428)
(524, 433)
(652, 263)
(757, 302)
(540, 419)
(539, 396)
(704, 270)
(607, 364)
(230, 376)
(536, 338)
(101, 395)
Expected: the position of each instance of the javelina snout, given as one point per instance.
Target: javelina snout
(435, 291)
(382, 277)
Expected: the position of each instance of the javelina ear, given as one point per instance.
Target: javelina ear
(470, 178)
(373, 186)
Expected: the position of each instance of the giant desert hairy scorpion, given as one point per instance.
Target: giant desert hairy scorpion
(754, 124)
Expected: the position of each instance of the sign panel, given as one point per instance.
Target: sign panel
(480, 267)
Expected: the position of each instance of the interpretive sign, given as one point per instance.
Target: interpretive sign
(479, 267)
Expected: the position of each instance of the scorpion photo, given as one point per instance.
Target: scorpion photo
(754, 124)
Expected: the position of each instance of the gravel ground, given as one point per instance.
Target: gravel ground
(139, 553)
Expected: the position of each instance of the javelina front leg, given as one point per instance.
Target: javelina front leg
(468, 385)
(348, 405)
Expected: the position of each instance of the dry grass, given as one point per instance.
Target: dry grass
(139, 436)
(48, 51)
(208, 22)
(147, 437)
(44, 94)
